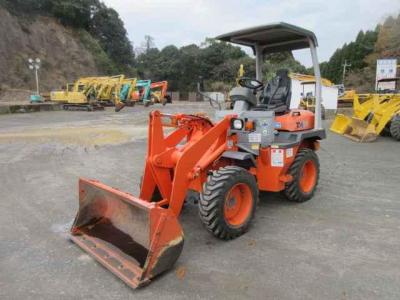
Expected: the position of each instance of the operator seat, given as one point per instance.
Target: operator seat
(277, 93)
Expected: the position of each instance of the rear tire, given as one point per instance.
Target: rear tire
(228, 202)
(305, 173)
(386, 130)
(395, 127)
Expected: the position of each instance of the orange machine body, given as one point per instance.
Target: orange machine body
(139, 238)
(173, 167)
(295, 120)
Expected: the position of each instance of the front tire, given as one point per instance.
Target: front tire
(228, 202)
(305, 173)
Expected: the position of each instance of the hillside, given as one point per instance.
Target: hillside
(72, 38)
(63, 54)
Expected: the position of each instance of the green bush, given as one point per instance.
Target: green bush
(102, 60)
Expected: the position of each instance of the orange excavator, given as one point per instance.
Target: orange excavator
(259, 145)
(159, 93)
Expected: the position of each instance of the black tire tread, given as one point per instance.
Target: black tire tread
(213, 196)
(395, 127)
(292, 190)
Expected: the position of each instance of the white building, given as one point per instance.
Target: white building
(386, 68)
(329, 91)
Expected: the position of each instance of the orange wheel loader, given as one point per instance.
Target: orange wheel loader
(260, 145)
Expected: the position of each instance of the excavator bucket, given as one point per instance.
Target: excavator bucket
(354, 128)
(133, 238)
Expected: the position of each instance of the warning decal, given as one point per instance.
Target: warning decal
(277, 157)
(255, 137)
(289, 152)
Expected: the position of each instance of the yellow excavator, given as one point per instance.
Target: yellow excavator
(377, 114)
(123, 93)
(79, 95)
(91, 93)
(307, 100)
(345, 97)
(107, 88)
(240, 74)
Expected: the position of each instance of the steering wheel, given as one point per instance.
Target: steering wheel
(250, 83)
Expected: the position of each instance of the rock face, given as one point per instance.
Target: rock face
(64, 57)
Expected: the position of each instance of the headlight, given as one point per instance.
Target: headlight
(237, 124)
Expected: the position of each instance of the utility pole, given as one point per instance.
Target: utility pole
(149, 42)
(35, 65)
(345, 65)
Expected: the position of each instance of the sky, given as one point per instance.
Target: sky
(183, 22)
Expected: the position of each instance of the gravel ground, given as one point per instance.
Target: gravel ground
(343, 244)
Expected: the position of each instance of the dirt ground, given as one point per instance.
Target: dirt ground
(343, 244)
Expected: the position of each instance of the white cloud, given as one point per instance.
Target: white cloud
(181, 22)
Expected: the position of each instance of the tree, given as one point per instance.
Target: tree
(281, 60)
(74, 13)
(147, 63)
(107, 27)
(213, 60)
(355, 53)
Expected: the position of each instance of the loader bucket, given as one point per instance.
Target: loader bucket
(133, 238)
(340, 124)
(353, 128)
(360, 131)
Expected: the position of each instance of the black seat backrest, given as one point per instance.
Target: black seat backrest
(277, 93)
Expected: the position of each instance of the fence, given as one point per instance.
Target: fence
(194, 97)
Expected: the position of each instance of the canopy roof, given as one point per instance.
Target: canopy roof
(390, 79)
(309, 79)
(272, 37)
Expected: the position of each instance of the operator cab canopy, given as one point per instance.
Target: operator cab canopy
(272, 38)
(276, 37)
(279, 37)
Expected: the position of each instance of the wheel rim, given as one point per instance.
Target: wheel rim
(238, 204)
(308, 176)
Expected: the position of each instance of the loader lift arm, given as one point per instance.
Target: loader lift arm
(174, 168)
(136, 238)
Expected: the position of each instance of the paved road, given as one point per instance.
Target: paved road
(343, 244)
